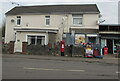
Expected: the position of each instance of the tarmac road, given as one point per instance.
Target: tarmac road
(17, 67)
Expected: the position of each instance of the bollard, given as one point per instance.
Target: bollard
(71, 48)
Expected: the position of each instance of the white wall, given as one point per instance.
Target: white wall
(60, 21)
(38, 21)
(22, 37)
(9, 32)
(89, 22)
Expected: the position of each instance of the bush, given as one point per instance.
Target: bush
(5, 48)
(42, 50)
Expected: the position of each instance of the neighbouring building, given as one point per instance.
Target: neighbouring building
(51, 24)
(110, 37)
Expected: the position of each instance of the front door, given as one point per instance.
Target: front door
(110, 46)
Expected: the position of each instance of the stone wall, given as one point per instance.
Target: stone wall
(8, 48)
(55, 50)
(43, 50)
(50, 49)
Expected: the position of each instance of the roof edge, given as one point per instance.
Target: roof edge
(97, 10)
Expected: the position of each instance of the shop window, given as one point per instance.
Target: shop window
(92, 40)
(79, 38)
(116, 44)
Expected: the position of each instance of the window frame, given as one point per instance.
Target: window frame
(47, 19)
(36, 39)
(77, 16)
(18, 18)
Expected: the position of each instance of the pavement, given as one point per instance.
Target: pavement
(107, 59)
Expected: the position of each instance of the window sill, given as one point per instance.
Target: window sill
(47, 25)
(18, 25)
(77, 25)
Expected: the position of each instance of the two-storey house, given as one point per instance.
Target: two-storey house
(52, 23)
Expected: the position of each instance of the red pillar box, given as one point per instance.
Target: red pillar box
(105, 51)
(62, 47)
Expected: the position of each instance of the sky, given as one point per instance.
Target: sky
(108, 8)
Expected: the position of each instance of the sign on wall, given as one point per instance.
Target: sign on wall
(79, 38)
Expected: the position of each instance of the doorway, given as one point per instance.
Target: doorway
(110, 46)
(116, 43)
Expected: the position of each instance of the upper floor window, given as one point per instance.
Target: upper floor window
(77, 19)
(47, 20)
(18, 20)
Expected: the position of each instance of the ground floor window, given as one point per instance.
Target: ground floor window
(79, 38)
(116, 44)
(92, 40)
(103, 43)
(111, 44)
(36, 40)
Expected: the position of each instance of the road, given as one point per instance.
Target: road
(28, 68)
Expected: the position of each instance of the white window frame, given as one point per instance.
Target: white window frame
(46, 39)
(18, 19)
(47, 18)
(36, 38)
(77, 16)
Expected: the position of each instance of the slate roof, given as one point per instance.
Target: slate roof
(84, 8)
